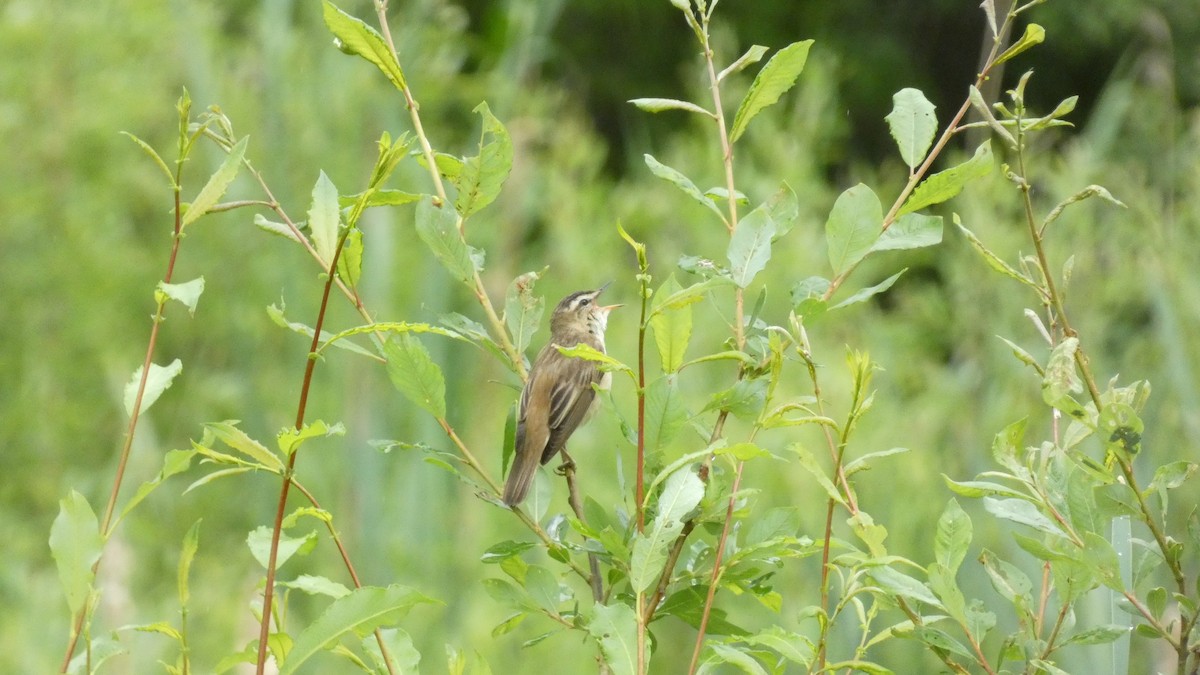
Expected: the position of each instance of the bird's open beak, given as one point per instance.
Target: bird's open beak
(609, 308)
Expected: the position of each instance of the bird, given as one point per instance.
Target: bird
(558, 395)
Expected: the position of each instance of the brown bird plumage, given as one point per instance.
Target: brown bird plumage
(558, 394)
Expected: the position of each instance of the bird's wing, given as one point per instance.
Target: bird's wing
(570, 400)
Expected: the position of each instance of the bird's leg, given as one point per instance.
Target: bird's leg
(567, 468)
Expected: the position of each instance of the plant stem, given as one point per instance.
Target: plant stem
(716, 574)
(277, 528)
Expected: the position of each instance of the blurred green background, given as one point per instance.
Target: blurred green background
(84, 235)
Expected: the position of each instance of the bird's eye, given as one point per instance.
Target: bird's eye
(585, 302)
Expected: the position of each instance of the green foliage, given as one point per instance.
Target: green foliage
(739, 444)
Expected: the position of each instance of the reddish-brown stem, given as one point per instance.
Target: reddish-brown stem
(640, 487)
(135, 413)
(310, 365)
(716, 573)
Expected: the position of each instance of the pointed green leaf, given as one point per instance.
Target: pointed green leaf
(157, 382)
(379, 198)
(1034, 35)
(438, 228)
(1023, 512)
(682, 182)
(656, 105)
(191, 544)
(350, 262)
(912, 124)
(414, 373)
(614, 627)
(853, 226)
(665, 412)
(672, 328)
(750, 246)
(752, 55)
(867, 293)
(773, 81)
(994, 261)
(235, 438)
(523, 310)
(900, 584)
(215, 188)
(944, 185)
(323, 218)
(359, 613)
(589, 353)
(681, 494)
(259, 542)
(317, 585)
(275, 228)
(953, 536)
(911, 230)
(75, 543)
(291, 438)
(355, 37)
(187, 293)
(483, 175)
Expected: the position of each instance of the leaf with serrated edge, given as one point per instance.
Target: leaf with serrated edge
(750, 246)
(159, 380)
(773, 81)
(323, 218)
(356, 37)
(912, 230)
(614, 627)
(681, 494)
(484, 174)
(676, 178)
(360, 613)
(946, 184)
(913, 125)
(75, 544)
(215, 188)
(414, 373)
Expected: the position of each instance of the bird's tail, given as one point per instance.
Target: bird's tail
(520, 477)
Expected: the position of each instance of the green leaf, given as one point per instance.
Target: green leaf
(744, 399)
(1098, 636)
(483, 175)
(174, 462)
(687, 296)
(523, 310)
(187, 293)
(360, 613)
(656, 105)
(750, 246)
(316, 585)
(323, 218)
(1061, 379)
(853, 227)
(773, 81)
(680, 496)
(235, 438)
(276, 228)
(867, 293)
(589, 353)
(726, 654)
(438, 228)
(415, 375)
(349, 267)
(953, 536)
(1023, 512)
(404, 655)
(191, 544)
(259, 541)
(1007, 445)
(784, 208)
(944, 185)
(379, 198)
(974, 489)
(752, 55)
(665, 412)
(994, 261)
(157, 382)
(356, 37)
(900, 584)
(75, 543)
(1034, 35)
(912, 124)
(989, 10)
(614, 627)
(290, 438)
(807, 296)
(217, 183)
(672, 327)
(911, 230)
(682, 182)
